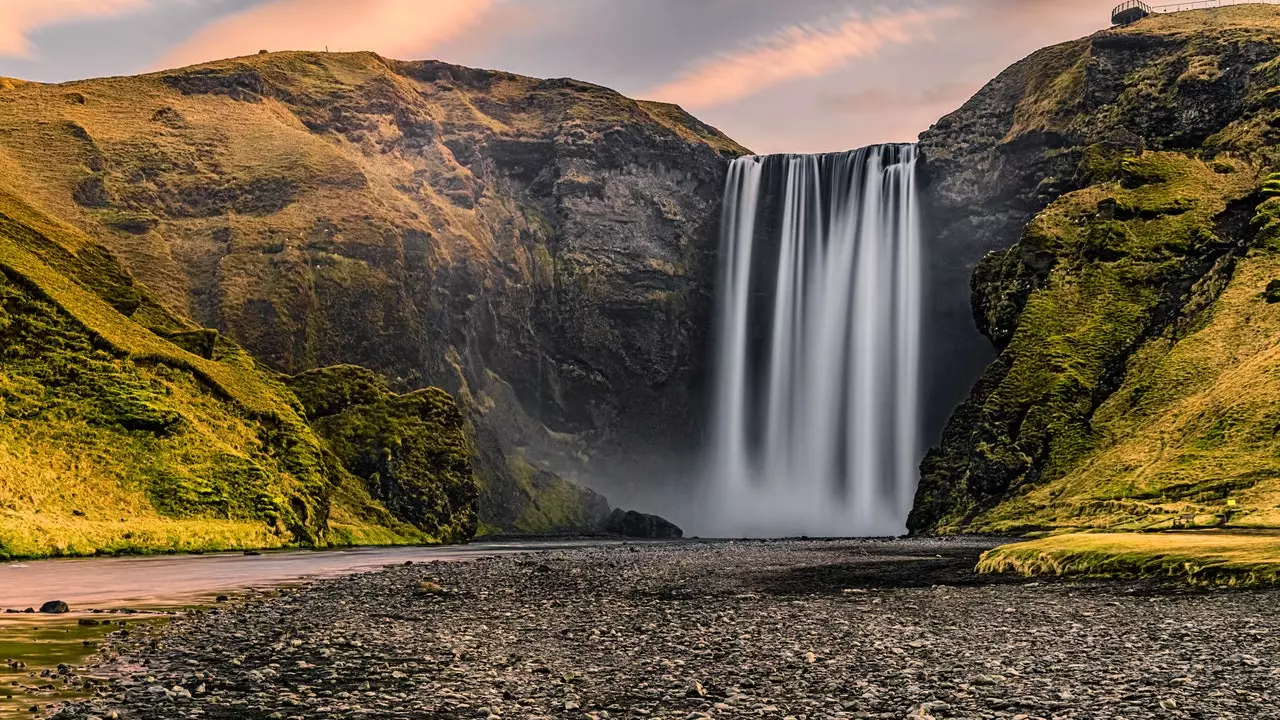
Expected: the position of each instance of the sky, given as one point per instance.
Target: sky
(776, 75)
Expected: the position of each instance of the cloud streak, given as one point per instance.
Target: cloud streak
(398, 28)
(18, 18)
(793, 53)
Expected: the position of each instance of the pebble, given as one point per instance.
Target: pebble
(802, 629)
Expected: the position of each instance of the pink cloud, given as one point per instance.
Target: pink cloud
(795, 52)
(397, 28)
(19, 17)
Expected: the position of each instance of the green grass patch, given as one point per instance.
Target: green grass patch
(1199, 557)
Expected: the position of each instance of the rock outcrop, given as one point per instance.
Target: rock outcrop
(1116, 181)
(630, 523)
(538, 248)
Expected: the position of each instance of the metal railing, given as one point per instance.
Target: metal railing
(1135, 10)
(1202, 4)
(1130, 12)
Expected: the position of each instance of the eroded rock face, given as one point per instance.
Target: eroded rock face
(1110, 179)
(538, 248)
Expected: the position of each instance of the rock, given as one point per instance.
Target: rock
(54, 607)
(221, 599)
(412, 451)
(428, 587)
(630, 523)
(1272, 292)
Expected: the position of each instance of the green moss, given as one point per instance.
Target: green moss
(553, 503)
(412, 451)
(1092, 282)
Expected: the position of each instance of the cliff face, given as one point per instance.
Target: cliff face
(537, 247)
(1121, 182)
(125, 428)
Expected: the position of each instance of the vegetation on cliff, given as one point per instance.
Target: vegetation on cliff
(1134, 388)
(114, 437)
(412, 451)
(538, 248)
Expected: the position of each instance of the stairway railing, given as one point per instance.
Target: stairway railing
(1128, 12)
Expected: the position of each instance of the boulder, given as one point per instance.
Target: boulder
(54, 607)
(630, 523)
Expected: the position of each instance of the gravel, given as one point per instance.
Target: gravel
(801, 629)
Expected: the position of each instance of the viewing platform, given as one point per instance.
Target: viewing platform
(1135, 10)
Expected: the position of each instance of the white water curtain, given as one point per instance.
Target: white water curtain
(817, 399)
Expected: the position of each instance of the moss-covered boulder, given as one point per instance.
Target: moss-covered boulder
(412, 451)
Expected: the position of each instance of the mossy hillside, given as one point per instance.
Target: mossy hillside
(113, 439)
(412, 451)
(1116, 401)
(1219, 559)
(329, 208)
(1104, 281)
(95, 439)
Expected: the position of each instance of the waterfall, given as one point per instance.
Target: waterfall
(817, 386)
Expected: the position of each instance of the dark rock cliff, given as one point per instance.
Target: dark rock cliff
(539, 248)
(1112, 179)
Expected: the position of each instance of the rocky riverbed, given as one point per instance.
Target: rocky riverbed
(806, 629)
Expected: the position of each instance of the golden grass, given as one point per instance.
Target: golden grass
(1200, 557)
(1247, 18)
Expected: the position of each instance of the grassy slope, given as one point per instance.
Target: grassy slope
(1138, 389)
(1190, 427)
(114, 439)
(1202, 558)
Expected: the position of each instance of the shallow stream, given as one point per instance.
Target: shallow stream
(105, 594)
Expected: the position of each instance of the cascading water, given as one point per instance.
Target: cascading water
(818, 369)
